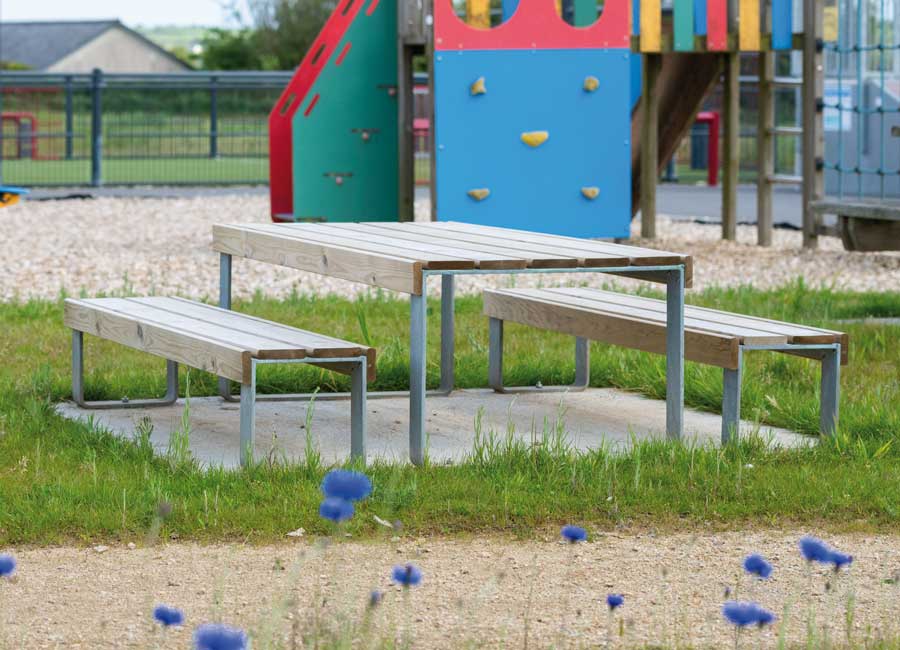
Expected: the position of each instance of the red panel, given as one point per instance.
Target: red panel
(281, 190)
(717, 25)
(534, 25)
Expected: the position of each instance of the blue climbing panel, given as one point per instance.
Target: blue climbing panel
(541, 188)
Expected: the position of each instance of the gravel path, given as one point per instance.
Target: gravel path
(475, 593)
(110, 245)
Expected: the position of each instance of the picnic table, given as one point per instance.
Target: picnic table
(402, 256)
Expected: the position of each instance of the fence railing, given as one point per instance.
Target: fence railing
(133, 129)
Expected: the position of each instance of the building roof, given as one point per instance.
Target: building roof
(40, 44)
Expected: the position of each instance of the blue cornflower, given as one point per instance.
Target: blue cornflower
(573, 534)
(168, 615)
(408, 575)
(336, 509)
(840, 559)
(615, 600)
(743, 614)
(814, 549)
(7, 565)
(215, 636)
(347, 485)
(757, 565)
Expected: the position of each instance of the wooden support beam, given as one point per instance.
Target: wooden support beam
(813, 127)
(730, 143)
(765, 144)
(649, 142)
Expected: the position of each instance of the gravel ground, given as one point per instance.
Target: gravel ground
(145, 245)
(475, 593)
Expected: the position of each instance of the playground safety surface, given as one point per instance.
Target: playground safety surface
(476, 592)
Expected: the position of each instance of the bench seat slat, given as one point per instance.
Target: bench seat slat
(637, 333)
(205, 337)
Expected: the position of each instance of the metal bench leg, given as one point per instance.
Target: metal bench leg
(170, 398)
(448, 343)
(417, 329)
(224, 303)
(248, 416)
(731, 401)
(582, 363)
(495, 354)
(675, 353)
(358, 412)
(830, 391)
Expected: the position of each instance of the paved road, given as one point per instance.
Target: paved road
(705, 203)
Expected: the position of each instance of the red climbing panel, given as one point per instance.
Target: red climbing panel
(717, 25)
(280, 141)
(534, 25)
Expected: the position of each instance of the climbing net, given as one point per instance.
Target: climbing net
(862, 97)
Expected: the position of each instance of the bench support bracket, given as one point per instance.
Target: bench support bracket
(78, 383)
(731, 400)
(495, 364)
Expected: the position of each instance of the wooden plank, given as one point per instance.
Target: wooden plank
(315, 345)
(782, 24)
(695, 321)
(790, 332)
(634, 255)
(651, 26)
(765, 149)
(531, 250)
(650, 98)
(448, 250)
(717, 25)
(748, 26)
(684, 25)
(529, 258)
(632, 333)
(731, 143)
(387, 272)
(195, 351)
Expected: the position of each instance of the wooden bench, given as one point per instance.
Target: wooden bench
(223, 342)
(863, 224)
(712, 337)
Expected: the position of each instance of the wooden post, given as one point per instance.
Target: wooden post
(731, 143)
(406, 141)
(765, 146)
(813, 133)
(649, 142)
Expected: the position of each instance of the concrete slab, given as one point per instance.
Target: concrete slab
(588, 420)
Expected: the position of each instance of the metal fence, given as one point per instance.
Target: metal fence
(96, 129)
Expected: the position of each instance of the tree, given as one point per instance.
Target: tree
(231, 50)
(285, 29)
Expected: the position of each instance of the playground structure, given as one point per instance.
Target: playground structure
(531, 104)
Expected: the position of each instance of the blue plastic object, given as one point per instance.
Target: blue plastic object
(782, 24)
(479, 143)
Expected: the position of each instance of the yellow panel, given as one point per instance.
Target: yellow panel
(830, 23)
(651, 27)
(558, 7)
(749, 25)
(478, 13)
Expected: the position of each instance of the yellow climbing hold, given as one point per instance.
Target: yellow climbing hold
(478, 88)
(535, 138)
(591, 84)
(479, 194)
(590, 192)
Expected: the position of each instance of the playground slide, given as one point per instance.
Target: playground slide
(684, 81)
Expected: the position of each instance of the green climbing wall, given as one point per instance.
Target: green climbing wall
(345, 133)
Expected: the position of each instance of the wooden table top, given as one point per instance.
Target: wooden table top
(393, 255)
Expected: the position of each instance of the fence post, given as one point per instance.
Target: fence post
(813, 133)
(96, 128)
(213, 118)
(765, 138)
(731, 146)
(69, 120)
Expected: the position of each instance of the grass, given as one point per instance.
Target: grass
(65, 481)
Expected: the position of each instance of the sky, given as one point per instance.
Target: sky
(130, 12)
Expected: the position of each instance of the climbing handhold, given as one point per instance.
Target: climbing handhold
(479, 194)
(535, 138)
(591, 83)
(478, 87)
(590, 193)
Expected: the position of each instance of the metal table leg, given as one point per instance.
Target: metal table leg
(830, 391)
(731, 400)
(675, 353)
(418, 320)
(448, 330)
(224, 303)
